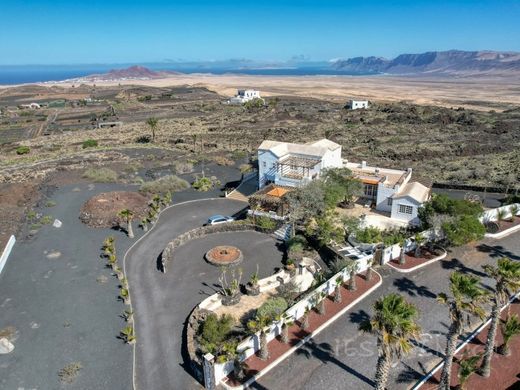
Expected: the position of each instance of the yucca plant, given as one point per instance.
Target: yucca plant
(353, 268)
(402, 257)
(287, 322)
(320, 302)
(510, 328)
(419, 241)
(369, 272)
(467, 367)
(127, 215)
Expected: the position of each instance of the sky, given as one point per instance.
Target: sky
(95, 31)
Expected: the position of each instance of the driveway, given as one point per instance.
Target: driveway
(162, 302)
(341, 357)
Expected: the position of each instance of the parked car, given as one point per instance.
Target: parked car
(218, 219)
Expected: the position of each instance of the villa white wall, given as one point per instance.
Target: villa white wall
(266, 167)
(332, 159)
(407, 201)
(383, 193)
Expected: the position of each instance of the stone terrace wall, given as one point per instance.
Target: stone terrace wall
(168, 252)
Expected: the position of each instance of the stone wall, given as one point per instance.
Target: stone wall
(168, 252)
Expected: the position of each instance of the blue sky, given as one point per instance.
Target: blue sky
(94, 31)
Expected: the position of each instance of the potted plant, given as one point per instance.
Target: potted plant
(252, 287)
(230, 289)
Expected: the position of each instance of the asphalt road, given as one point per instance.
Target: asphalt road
(341, 357)
(162, 302)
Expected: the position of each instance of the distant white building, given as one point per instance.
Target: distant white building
(245, 95)
(357, 104)
(391, 190)
(32, 106)
(293, 165)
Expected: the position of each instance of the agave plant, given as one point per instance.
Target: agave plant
(510, 328)
(128, 335)
(468, 366)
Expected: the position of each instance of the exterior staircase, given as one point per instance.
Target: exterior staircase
(284, 232)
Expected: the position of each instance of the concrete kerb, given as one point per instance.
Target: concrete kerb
(124, 270)
(466, 341)
(407, 270)
(6, 252)
(306, 339)
(504, 233)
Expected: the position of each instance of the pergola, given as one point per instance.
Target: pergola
(296, 167)
(270, 198)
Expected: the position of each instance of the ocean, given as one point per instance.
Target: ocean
(11, 74)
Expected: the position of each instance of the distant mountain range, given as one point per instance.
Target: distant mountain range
(452, 62)
(131, 73)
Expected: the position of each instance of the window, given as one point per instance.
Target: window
(389, 201)
(404, 209)
(264, 164)
(370, 190)
(274, 165)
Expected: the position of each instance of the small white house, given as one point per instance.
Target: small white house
(32, 106)
(406, 203)
(357, 104)
(245, 95)
(293, 165)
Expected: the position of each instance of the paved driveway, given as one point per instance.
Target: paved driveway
(162, 302)
(343, 358)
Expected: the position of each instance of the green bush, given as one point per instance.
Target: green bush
(169, 183)
(214, 331)
(238, 154)
(265, 223)
(143, 139)
(369, 235)
(463, 230)
(204, 183)
(22, 150)
(272, 309)
(89, 143)
(47, 219)
(255, 103)
(442, 204)
(101, 175)
(297, 244)
(182, 167)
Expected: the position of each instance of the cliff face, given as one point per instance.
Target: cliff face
(455, 62)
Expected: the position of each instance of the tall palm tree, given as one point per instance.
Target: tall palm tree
(467, 299)
(393, 323)
(261, 324)
(402, 258)
(507, 280)
(353, 268)
(127, 215)
(501, 215)
(152, 123)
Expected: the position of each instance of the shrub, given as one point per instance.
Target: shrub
(50, 203)
(69, 373)
(170, 183)
(143, 139)
(47, 219)
(272, 308)
(463, 230)
(265, 223)
(204, 183)
(297, 244)
(100, 175)
(442, 204)
(369, 235)
(245, 168)
(214, 331)
(255, 103)
(90, 143)
(22, 150)
(224, 161)
(182, 167)
(238, 154)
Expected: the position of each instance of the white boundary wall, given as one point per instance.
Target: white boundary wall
(491, 215)
(6, 252)
(251, 344)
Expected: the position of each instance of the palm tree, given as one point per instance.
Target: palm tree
(304, 319)
(286, 323)
(468, 366)
(510, 328)
(419, 240)
(402, 258)
(152, 123)
(393, 323)
(370, 264)
(513, 209)
(467, 298)
(261, 324)
(501, 215)
(144, 223)
(507, 279)
(127, 215)
(320, 302)
(337, 289)
(353, 268)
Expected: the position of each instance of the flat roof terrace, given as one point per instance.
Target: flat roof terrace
(374, 175)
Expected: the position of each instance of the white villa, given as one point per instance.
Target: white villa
(293, 165)
(391, 190)
(245, 95)
(357, 104)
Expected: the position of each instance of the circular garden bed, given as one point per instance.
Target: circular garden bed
(224, 255)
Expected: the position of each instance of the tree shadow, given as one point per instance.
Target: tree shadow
(408, 286)
(159, 263)
(324, 353)
(497, 251)
(359, 316)
(409, 374)
(456, 265)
